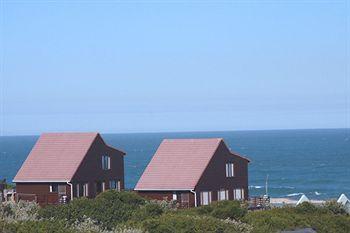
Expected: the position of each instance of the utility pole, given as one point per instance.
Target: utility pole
(266, 186)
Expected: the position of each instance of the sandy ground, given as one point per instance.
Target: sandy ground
(291, 201)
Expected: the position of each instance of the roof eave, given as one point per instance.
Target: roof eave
(238, 155)
(40, 181)
(167, 189)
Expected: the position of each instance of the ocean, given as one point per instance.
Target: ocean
(312, 162)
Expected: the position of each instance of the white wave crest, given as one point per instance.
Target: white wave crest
(294, 194)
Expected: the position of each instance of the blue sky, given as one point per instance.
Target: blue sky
(176, 66)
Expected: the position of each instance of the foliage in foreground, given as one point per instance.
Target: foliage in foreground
(126, 212)
(328, 218)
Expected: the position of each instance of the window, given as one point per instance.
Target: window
(78, 191)
(85, 190)
(82, 190)
(205, 198)
(99, 187)
(114, 185)
(222, 195)
(185, 197)
(62, 189)
(230, 170)
(53, 188)
(238, 194)
(106, 162)
(174, 196)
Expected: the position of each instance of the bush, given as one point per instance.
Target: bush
(335, 208)
(108, 209)
(18, 211)
(224, 210)
(306, 208)
(305, 215)
(35, 227)
(172, 222)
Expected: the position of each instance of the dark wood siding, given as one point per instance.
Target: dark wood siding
(39, 192)
(168, 196)
(214, 177)
(90, 170)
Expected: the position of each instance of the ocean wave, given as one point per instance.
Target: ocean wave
(282, 187)
(270, 187)
(256, 186)
(317, 193)
(294, 194)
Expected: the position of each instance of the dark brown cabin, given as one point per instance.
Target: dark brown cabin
(195, 172)
(64, 166)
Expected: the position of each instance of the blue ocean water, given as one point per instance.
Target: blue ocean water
(313, 162)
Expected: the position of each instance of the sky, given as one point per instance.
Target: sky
(153, 66)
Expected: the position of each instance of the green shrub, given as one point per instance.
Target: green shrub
(18, 211)
(108, 209)
(306, 208)
(35, 227)
(172, 222)
(223, 210)
(335, 208)
(305, 215)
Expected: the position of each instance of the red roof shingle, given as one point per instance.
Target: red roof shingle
(178, 164)
(55, 157)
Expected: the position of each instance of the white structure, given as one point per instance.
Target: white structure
(345, 202)
(302, 199)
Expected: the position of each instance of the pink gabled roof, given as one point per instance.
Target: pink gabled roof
(178, 164)
(55, 157)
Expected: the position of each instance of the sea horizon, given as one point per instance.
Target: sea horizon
(174, 131)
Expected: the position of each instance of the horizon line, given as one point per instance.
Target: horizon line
(180, 131)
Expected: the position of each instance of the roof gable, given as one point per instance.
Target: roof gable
(178, 164)
(55, 157)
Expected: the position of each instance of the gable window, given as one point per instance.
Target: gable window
(238, 194)
(106, 162)
(222, 195)
(230, 170)
(205, 198)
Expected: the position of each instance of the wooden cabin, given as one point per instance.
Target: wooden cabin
(195, 172)
(64, 166)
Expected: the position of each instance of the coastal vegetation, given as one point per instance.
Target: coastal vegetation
(126, 212)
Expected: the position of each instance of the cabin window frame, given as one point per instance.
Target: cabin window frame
(99, 187)
(52, 189)
(106, 162)
(238, 194)
(62, 189)
(205, 197)
(85, 190)
(103, 186)
(230, 169)
(223, 195)
(174, 196)
(114, 184)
